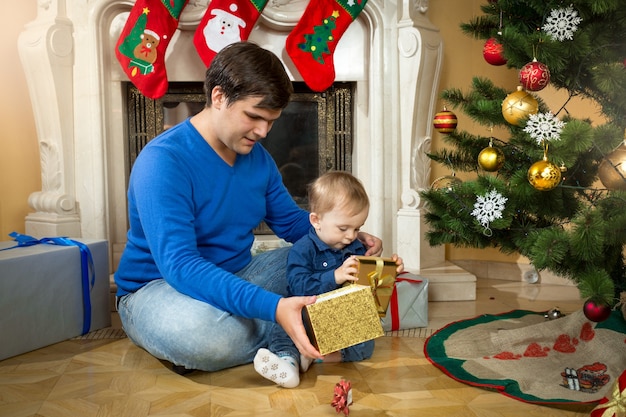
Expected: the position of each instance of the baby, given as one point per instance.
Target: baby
(320, 262)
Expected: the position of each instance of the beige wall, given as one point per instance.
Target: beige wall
(19, 153)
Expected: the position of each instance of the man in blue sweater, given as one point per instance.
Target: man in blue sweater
(189, 291)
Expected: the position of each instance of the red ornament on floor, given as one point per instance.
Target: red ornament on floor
(342, 398)
(596, 310)
(492, 52)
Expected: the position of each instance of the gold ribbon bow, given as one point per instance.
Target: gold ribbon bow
(616, 407)
(382, 287)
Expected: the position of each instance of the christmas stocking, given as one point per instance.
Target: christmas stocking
(312, 42)
(225, 22)
(142, 43)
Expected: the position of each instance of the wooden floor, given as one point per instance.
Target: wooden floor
(110, 377)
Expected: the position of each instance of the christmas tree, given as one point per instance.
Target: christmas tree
(554, 190)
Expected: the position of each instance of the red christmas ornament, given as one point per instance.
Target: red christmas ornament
(596, 310)
(492, 52)
(445, 121)
(534, 76)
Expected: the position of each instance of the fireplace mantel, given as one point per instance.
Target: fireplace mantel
(391, 52)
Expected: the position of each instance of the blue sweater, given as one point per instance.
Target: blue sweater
(192, 217)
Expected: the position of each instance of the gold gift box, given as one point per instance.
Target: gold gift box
(342, 318)
(380, 275)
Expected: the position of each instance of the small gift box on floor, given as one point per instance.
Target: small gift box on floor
(342, 318)
(379, 274)
(408, 308)
(50, 292)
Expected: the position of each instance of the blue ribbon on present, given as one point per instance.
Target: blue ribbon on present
(86, 266)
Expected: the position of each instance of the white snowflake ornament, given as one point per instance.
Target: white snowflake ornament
(544, 127)
(562, 23)
(488, 208)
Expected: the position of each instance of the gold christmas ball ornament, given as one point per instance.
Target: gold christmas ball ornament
(612, 169)
(445, 121)
(447, 183)
(518, 105)
(491, 159)
(544, 175)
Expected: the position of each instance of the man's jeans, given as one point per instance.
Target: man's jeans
(194, 334)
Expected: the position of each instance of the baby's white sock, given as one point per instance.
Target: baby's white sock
(281, 370)
(305, 363)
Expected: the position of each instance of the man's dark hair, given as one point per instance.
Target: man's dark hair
(244, 69)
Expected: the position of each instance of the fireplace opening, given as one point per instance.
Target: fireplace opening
(312, 136)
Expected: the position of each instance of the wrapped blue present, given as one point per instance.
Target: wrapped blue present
(51, 289)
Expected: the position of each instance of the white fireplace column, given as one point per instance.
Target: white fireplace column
(46, 49)
(420, 59)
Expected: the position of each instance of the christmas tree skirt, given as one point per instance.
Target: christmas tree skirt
(530, 358)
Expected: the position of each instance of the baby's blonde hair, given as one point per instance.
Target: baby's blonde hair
(337, 189)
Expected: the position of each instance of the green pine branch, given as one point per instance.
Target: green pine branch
(577, 229)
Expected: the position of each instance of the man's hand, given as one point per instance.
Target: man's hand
(373, 244)
(289, 316)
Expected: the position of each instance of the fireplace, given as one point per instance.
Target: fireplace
(390, 56)
(312, 136)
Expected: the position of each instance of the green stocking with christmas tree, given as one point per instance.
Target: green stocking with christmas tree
(312, 42)
(143, 41)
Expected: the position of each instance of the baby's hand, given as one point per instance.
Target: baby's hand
(347, 271)
(399, 263)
